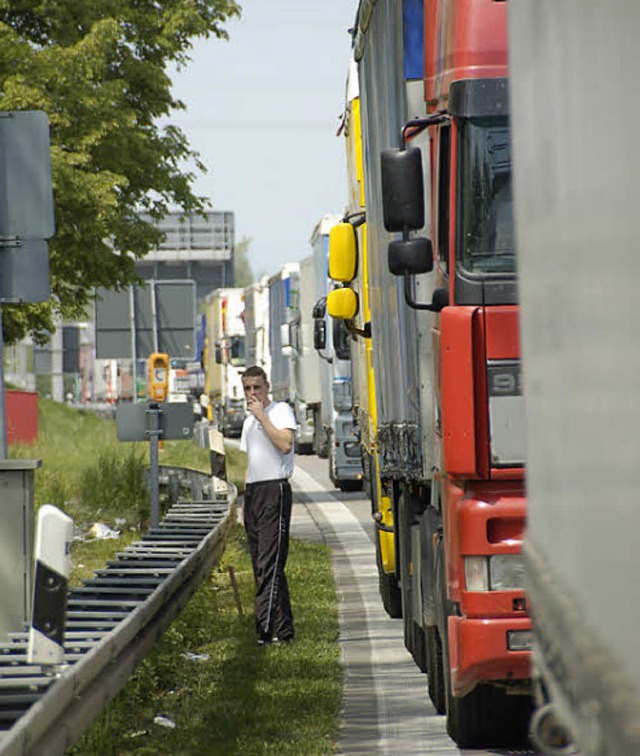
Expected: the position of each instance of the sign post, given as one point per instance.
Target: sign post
(154, 421)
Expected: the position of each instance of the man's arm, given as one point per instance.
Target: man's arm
(281, 438)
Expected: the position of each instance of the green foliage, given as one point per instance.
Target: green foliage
(225, 694)
(116, 483)
(99, 71)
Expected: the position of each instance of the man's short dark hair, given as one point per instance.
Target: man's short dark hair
(255, 371)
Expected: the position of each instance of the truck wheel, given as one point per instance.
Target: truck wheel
(389, 590)
(411, 630)
(435, 676)
(350, 485)
(419, 647)
(487, 716)
(476, 720)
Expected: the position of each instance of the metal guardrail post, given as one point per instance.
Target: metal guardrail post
(154, 433)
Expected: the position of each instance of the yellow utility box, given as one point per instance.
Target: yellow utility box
(158, 376)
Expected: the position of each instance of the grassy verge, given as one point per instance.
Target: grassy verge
(206, 676)
(224, 694)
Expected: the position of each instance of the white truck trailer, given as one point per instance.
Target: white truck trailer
(225, 359)
(283, 311)
(338, 431)
(309, 372)
(293, 360)
(256, 324)
(576, 162)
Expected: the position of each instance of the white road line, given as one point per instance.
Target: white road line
(406, 722)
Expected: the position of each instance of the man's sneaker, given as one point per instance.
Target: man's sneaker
(264, 639)
(288, 639)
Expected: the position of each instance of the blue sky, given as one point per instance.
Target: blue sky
(262, 110)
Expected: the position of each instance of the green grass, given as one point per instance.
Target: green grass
(241, 699)
(234, 697)
(91, 475)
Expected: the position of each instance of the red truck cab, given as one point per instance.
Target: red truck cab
(478, 631)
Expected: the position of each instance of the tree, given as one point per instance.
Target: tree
(242, 273)
(99, 71)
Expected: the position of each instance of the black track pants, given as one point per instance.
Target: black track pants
(267, 517)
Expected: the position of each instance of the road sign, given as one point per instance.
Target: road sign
(26, 195)
(161, 315)
(175, 421)
(24, 272)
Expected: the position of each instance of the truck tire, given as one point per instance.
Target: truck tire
(435, 676)
(414, 639)
(419, 646)
(487, 716)
(350, 485)
(388, 587)
(303, 448)
(471, 719)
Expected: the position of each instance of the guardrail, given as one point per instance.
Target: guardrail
(114, 619)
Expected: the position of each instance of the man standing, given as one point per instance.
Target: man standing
(267, 439)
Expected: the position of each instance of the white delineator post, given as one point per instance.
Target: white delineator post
(218, 460)
(54, 533)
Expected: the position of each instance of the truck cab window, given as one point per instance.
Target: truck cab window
(236, 351)
(487, 236)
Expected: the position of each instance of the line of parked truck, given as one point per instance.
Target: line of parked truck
(423, 265)
(281, 324)
(406, 320)
(424, 262)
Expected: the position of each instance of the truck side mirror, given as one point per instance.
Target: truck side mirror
(402, 189)
(343, 304)
(410, 256)
(319, 334)
(343, 253)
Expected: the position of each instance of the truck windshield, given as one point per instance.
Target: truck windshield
(236, 351)
(487, 243)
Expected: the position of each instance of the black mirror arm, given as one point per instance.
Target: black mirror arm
(365, 332)
(416, 125)
(408, 298)
(355, 219)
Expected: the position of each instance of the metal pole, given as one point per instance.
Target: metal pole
(154, 315)
(154, 473)
(134, 355)
(3, 423)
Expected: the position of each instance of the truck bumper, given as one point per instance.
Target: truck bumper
(479, 651)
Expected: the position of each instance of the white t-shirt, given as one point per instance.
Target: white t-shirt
(265, 461)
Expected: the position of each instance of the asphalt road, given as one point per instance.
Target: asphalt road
(386, 708)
